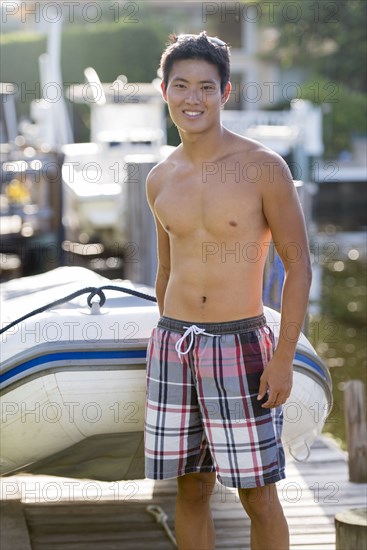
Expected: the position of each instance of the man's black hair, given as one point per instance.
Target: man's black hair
(190, 46)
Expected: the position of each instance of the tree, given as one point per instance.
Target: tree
(328, 36)
(329, 39)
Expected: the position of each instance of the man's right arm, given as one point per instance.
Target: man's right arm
(163, 245)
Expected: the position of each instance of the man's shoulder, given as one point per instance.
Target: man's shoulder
(253, 149)
(159, 174)
(161, 169)
(268, 162)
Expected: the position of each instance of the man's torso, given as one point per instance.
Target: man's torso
(218, 235)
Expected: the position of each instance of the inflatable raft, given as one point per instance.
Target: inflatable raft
(72, 380)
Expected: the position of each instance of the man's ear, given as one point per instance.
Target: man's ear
(226, 93)
(164, 91)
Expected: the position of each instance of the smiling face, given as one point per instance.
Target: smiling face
(194, 95)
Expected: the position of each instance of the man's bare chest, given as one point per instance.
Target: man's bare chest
(224, 208)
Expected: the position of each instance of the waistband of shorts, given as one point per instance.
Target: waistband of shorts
(226, 327)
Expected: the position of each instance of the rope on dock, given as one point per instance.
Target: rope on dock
(161, 517)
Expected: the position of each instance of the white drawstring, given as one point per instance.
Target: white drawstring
(193, 329)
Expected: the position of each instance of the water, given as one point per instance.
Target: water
(337, 322)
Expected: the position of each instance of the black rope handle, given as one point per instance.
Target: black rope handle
(93, 291)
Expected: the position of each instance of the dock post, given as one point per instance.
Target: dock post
(14, 530)
(141, 263)
(356, 429)
(351, 529)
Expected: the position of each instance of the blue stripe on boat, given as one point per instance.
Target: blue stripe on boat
(72, 355)
(92, 355)
(313, 364)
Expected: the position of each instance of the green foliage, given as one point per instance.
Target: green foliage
(112, 49)
(19, 55)
(329, 37)
(345, 113)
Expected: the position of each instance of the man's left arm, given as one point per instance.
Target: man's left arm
(283, 212)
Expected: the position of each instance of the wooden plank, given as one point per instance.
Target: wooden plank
(135, 544)
(230, 529)
(90, 510)
(100, 537)
(311, 495)
(13, 527)
(51, 489)
(312, 538)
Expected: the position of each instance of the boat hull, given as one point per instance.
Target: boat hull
(73, 387)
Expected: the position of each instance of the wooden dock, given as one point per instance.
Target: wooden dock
(48, 513)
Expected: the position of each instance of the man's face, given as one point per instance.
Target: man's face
(193, 94)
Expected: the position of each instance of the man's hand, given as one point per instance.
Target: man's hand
(278, 378)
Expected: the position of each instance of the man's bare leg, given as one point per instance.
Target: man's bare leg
(269, 528)
(193, 519)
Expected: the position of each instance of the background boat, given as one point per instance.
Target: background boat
(127, 123)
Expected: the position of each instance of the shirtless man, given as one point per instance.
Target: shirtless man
(215, 383)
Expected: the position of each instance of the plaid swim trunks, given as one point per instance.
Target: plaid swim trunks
(202, 412)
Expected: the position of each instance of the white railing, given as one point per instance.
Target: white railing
(281, 130)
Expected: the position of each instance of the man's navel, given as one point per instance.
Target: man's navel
(233, 224)
(203, 299)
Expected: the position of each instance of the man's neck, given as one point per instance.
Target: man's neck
(205, 146)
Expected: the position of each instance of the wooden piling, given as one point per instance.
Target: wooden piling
(356, 428)
(141, 249)
(14, 532)
(351, 529)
